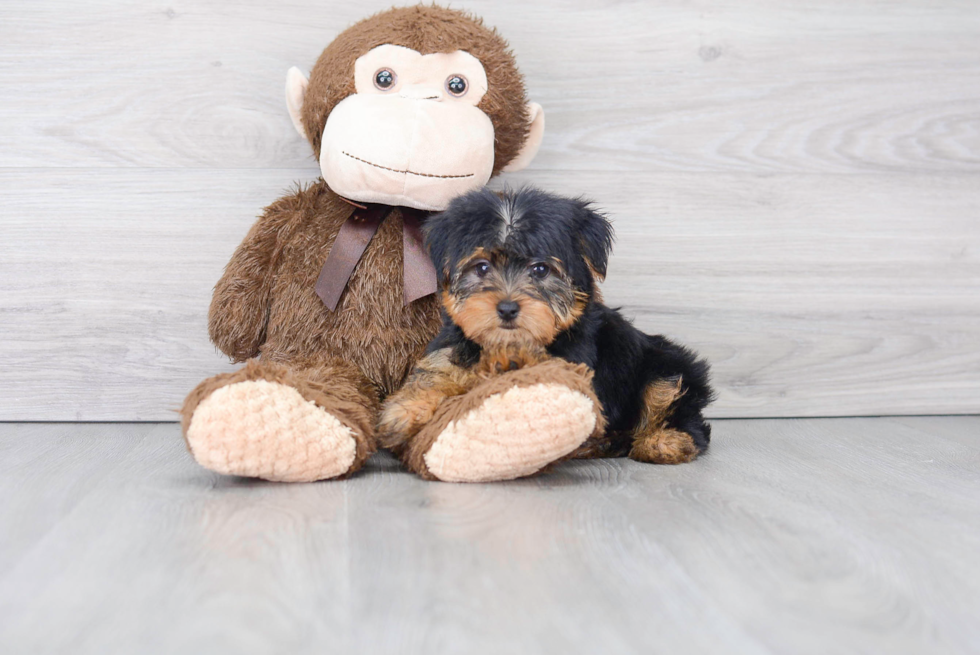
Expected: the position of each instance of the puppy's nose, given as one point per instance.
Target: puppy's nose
(508, 309)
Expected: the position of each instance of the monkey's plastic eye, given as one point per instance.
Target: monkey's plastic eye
(482, 268)
(539, 270)
(456, 85)
(384, 79)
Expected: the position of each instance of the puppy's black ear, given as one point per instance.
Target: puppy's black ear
(457, 231)
(434, 239)
(595, 237)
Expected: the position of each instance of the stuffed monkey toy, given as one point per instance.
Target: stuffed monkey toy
(330, 299)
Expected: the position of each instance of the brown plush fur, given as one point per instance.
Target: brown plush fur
(428, 30)
(265, 309)
(265, 305)
(412, 443)
(266, 302)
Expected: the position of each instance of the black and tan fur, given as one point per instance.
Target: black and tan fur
(519, 286)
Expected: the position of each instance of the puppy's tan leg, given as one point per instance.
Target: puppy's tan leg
(653, 441)
(405, 412)
(509, 358)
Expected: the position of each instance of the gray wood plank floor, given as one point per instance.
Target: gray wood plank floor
(791, 536)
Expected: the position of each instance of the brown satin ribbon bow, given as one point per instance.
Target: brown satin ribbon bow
(353, 239)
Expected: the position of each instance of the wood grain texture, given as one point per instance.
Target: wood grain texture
(794, 187)
(790, 536)
(802, 308)
(758, 86)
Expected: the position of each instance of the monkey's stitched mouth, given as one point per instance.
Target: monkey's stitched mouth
(405, 172)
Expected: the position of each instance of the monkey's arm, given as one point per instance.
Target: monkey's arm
(434, 379)
(240, 305)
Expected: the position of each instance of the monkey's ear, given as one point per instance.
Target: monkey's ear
(595, 240)
(296, 84)
(534, 136)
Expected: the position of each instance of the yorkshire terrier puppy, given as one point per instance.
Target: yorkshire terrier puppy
(519, 273)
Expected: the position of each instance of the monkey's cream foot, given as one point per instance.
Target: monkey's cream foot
(510, 426)
(512, 435)
(264, 429)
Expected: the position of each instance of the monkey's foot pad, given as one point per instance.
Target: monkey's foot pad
(512, 434)
(263, 429)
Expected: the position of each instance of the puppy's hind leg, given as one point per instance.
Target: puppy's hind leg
(671, 429)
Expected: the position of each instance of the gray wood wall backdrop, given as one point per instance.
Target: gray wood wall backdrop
(796, 186)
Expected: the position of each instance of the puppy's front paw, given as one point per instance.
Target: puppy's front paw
(402, 417)
(511, 358)
(400, 421)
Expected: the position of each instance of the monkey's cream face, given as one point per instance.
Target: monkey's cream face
(412, 134)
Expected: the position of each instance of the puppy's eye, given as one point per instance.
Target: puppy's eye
(384, 79)
(456, 85)
(481, 268)
(539, 270)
